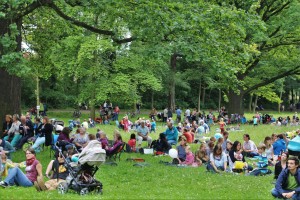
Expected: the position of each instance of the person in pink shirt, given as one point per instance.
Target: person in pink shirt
(190, 158)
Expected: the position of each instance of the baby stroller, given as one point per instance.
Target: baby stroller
(81, 177)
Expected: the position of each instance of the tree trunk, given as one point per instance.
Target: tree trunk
(172, 82)
(152, 99)
(10, 85)
(250, 102)
(220, 97)
(92, 110)
(203, 96)
(279, 103)
(199, 96)
(292, 94)
(235, 104)
(255, 103)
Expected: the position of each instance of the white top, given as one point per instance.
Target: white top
(187, 112)
(269, 152)
(250, 145)
(220, 160)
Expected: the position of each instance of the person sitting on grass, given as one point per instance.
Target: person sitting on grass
(181, 151)
(171, 133)
(279, 145)
(188, 135)
(161, 146)
(190, 158)
(132, 142)
(269, 150)
(249, 147)
(235, 156)
(58, 172)
(210, 147)
(218, 160)
(281, 165)
(288, 182)
(201, 155)
(6, 148)
(33, 176)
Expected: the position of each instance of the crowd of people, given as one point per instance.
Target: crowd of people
(217, 154)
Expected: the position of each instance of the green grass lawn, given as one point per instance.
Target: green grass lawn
(158, 181)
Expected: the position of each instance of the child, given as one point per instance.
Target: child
(132, 142)
(189, 157)
(222, 125)
(153, 126)
(263, 160)
(255, 121)
(201, 155)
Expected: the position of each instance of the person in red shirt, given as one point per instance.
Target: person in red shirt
(132, 142)
(188, 136)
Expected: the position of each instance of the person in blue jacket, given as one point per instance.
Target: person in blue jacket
(288, 183)
(279, 145)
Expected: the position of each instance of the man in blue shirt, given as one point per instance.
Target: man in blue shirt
(171, 134)
(143, 134)
(178, 115)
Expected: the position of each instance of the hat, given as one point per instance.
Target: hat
(59, 128)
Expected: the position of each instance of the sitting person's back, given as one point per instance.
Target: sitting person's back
(132, 142)
(161, 145)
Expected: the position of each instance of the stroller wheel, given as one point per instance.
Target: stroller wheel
(84, 191)
(62, 188)
(99, 190)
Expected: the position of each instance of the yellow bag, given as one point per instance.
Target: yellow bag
(238, 165)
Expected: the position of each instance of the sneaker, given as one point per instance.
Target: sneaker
(3, 184)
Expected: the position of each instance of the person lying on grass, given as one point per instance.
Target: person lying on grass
(33, 174)
(218, 160)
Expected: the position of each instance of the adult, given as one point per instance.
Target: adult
(236, 154)
(170, 113)
(143, 134)
(57, 172)
(81, 139)
(26, 130)
(45, 134)
(269, 149)
(7, 148)
(161, 145)
(188, 114)
(218, 160)
(181, 151)
(117, 143)
(33, 169)
(13, 132)
(178, 115)
(280, 165)
(116, 113)
(249, 147)
(171, 134)
(199, 133)
(165, 115)
(288, 182)
(201, 154)
(6, 125)
(153, 114)
(279, 145)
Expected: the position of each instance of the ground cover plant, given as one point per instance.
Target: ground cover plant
(158, 181)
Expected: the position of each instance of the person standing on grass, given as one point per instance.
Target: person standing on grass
(288, 183)
(249, 147)
(143, 134)
(178, 115)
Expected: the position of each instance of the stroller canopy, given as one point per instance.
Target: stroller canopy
(92, 154)
(294, 144)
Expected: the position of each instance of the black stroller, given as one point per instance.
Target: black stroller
(81, 173)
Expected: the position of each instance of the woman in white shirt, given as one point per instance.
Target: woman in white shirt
(13, 132)
(218, 160)
(269, 150)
